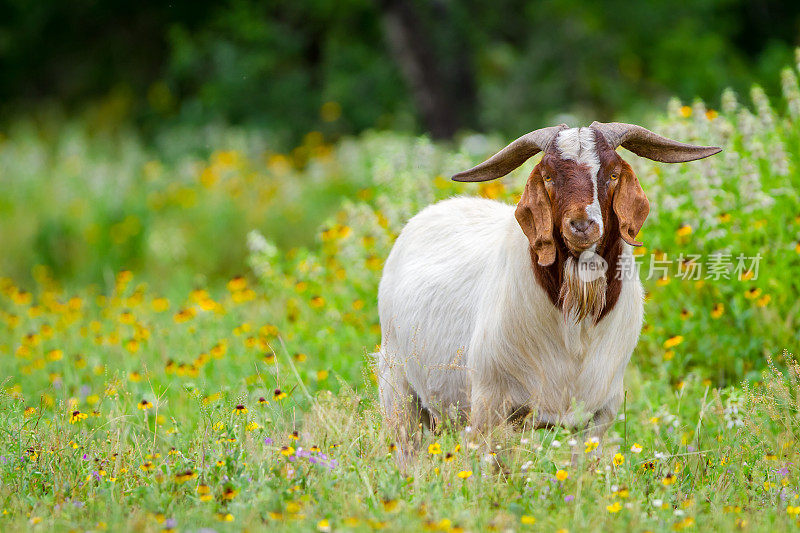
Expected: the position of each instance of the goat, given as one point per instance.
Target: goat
(481, 321)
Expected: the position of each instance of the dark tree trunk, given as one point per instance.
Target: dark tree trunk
(442, 87)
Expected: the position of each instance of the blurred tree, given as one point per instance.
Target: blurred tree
(339, 67)
(438, 71)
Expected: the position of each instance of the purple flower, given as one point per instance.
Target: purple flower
(783, 471)
(267, 440)
(568, 498)
(170, 523)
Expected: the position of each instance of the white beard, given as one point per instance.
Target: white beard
(579, 298)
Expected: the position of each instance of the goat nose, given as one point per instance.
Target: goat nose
(580, 226)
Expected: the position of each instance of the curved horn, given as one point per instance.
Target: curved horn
(645, 143)
(512, 156)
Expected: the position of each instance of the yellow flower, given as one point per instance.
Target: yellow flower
(322, 375)
(684, 230)
(561, 475)
(147, 466)
(673, 341)
(239, 283)
(764, 300)
(591, 444)
(29, 411)
(287, 451)
(752, 293)
(77, 416)
(252, 426)
(614, 507)
(685, 111)
(793, 510)
(278, 395)
(717, 311)
(528, 520)
(240, 410)
(182, 477)
(465, 474)
(225, 517)
(434, 449)
(144, 405)
(324, 525)
(711, 114)
(229, 493)
(618, 459)
(668, 480)
(636, 448)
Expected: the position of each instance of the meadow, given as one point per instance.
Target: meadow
(165, 366)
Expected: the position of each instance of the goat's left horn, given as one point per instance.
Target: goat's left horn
(645, 143)
(512, 156)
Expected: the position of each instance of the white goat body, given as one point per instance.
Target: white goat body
(467, 329)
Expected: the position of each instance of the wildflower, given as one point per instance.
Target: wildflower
(29, 411)
(793, 510)
(229, 493)
(322, 375)
(77, 416)
(287, 451)
(147, 466)
(527, 520)
(252, 426)
(240, 410)
(668, 480)
(685, 314)
(224, 517)
(448, 457)
(204, 491)
(711, 114)
(685, 111)
(434, 449)
(614, 507)
(618, 459)
(465, 474)
(278, 395)
(294, 435)
(324, 525)
(591, 444)
(263, 401)
(144, 405)
(764, 300)
(673, 341)
(389, 505)
(718, 310)
(752, 293)
(561, 475)
(684, 230)
(182, 477)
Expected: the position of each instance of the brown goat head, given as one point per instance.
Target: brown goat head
(582, 189)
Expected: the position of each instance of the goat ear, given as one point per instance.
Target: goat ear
(534, 216)
(631, 206)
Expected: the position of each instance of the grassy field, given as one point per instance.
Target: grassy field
(165, 367)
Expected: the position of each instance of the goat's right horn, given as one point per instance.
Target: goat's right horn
(645, 143)
(512, 156)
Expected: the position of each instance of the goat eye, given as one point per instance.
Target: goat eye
(548, 178)
(614, 176)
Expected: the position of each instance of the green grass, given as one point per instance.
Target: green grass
(159, 360)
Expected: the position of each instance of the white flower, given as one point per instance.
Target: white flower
(572, 442)
(555, 444)
(657, 502)
(636, 448)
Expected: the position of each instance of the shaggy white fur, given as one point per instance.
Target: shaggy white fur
(469, 332)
